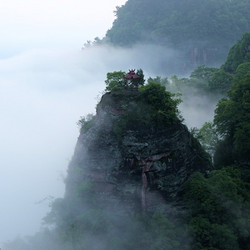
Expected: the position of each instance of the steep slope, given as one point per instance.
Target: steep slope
(135, 164)
(131, 159)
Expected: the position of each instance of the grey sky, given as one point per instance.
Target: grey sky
(53, 23)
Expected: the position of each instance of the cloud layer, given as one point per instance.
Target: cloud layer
(43, 94)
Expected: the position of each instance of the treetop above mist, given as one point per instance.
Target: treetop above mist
(119, 80)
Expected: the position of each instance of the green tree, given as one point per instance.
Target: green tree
(139, 81)
(204, 26)
(238, 54)
(203, 73)
(115, 80)
(86, 122)
(162, 80)
(221, 81)
(241, 71)
(208, 137)
(232, 118)
(151, 107)
(165, 107)
(218, 206)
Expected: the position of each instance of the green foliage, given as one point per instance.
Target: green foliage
(238, 54)
(167, 234)
(221, 81)
(211, 26)
(178, 84)
(241, 71)
(203, 73)
(115, 80)
(218, 206)
(152, 108)
(86, 122)
(207, 136)
(212, 81)
(203, 81)
(232, 117)
(155, 95)
(115, 229)
(140, 81)
(223, 155)
(163, 81)
(189, 20)
(212, 236)
(137, 115)
(197, 83)
(236, 65)
(58, 211)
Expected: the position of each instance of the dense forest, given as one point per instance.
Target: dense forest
(202, 30)
(211, 209)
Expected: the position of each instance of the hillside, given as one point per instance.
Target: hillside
(202, 30)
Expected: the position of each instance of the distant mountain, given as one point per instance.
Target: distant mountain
(203, 30)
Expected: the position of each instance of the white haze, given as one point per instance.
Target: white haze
(197, 109)
(43, 94)
(35, 24)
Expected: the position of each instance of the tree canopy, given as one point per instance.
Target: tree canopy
(238, 54)
(232, 117)
(213, 26)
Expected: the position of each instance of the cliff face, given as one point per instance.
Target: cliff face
(137, 167)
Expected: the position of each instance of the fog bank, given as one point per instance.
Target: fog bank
(43, 94)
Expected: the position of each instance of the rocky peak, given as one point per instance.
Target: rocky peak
(137, 164)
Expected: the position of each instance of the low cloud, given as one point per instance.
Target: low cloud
(43, 94)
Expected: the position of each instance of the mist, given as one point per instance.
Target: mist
(44, 92)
